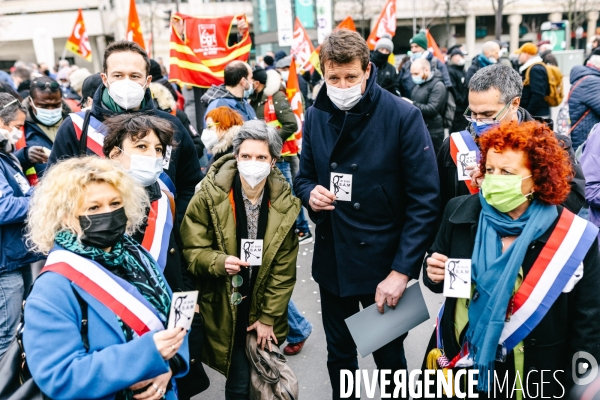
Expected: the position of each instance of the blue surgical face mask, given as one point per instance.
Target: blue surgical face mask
(248, 92)
(416, 55)
(47, 117)
(418, 80)
(480, 128)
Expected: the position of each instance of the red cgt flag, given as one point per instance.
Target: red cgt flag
(385, 24)
(302, 47)
(200, 56)
(78, 43)
(134, 29)
(295, 97)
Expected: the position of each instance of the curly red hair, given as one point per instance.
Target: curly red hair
(549, 163)
(225, 117)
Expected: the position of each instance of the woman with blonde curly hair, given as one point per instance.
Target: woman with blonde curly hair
(531, 269)
(95, 319)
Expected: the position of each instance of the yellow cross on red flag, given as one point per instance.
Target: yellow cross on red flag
(134, 29)
(295, 97)
(386, 24)
(78, 43)
(302, 47)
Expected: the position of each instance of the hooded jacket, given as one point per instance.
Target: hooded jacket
(209, 237)
(182, 166)
(430, 98)
(405, 79)
(584, 97)
(283, 110)
(533, 94)
(219, 96)
(36, 134)
(225, 144)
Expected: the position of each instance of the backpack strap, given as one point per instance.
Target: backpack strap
(527, 80)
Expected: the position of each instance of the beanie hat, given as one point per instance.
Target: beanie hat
(155, 71)
(285, 62)
(268, 60)
(77, 77)
(279, 55)
(260, 75)
(420, 40)
(385, 43)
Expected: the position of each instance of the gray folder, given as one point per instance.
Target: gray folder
(372, 330)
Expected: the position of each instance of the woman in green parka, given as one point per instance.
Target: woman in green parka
(243, 211)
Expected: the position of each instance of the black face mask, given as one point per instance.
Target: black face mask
(379, 58)
(103, 230)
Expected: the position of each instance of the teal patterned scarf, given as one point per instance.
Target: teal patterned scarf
(129, 261)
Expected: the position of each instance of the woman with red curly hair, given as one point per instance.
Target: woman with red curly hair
(534, 275)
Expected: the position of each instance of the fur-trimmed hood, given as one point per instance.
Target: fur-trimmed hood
(273, 84)
(226, 140)
(162, 97)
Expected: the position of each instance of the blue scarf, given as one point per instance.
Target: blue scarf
(483, 60)
(495, 273)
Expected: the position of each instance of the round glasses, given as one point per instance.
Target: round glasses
(236, 297)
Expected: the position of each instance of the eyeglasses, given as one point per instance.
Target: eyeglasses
(467, 114)
(53, 85)
(236, 297)
(210, 126)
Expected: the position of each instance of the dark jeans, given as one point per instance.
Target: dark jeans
(286, 169)
(237, 386)
(341, 350)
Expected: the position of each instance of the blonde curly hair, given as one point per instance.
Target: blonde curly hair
(60, 193)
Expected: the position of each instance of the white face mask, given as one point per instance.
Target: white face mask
(13, 135)
(128, 94)
(345, 99)
(285, 75)
(209, 138)
(461, 62)
(144, 169)
(492, 60)
(254, 172)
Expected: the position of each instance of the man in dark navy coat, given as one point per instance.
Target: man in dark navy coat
(368, 177)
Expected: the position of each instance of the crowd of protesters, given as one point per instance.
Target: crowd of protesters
(119, 187)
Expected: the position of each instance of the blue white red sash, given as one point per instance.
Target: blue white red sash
(115, 293)
(462, 142)
(158, 230)
(551, 272)
(95, 141)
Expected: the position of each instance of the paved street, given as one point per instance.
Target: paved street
(310, 365)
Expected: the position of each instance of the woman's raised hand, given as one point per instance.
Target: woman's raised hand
(436, 265)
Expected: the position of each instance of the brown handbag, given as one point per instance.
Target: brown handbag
(271, 377)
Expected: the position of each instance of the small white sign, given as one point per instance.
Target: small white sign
(463, 160)
(457, 279)
(252, 251)
(167, 159)
(183, 306)
(23, 183)
(285, 23)
(341, 186)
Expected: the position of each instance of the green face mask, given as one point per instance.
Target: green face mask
(503, 192)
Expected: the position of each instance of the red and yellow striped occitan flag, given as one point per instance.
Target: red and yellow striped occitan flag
(199, 56)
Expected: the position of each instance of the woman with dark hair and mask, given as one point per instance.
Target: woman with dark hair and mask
(138, 143)
(82, 215)
(14, 204)
(239, 241)
(532, 302)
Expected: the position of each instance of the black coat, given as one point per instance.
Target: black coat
(533, 95)
(473, 68)
(430, 98)
(451, 187)
(383, 143)
(387, 77)
(572, 323)
(461, 96)
(183, 169)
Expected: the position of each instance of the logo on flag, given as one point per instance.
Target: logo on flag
(302, 47)
(134, 29)
(386, 24)
(199, 56)
(78, 43)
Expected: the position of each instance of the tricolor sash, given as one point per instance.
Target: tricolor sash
(158, 230)
(95, 141)
(551, 272)
(115, 293)
(462, 142)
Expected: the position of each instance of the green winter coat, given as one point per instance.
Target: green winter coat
(209, 237)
